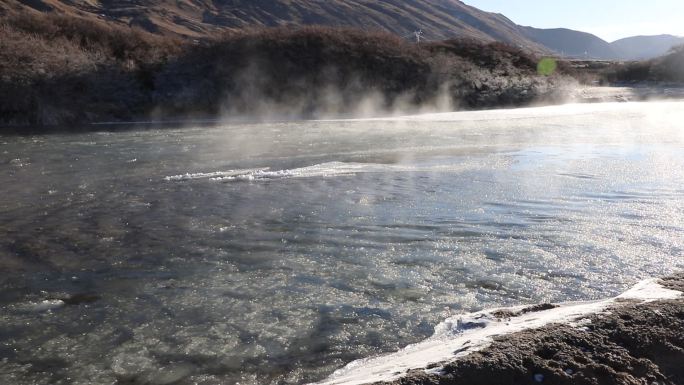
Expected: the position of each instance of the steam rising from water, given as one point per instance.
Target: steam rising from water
(333, 93)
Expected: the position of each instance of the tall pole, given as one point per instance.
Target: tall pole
(419, 35)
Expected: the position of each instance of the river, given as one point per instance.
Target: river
(276, 253)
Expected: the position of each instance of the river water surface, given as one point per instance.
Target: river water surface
(277, 253)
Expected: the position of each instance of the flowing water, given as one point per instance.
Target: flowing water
(277, 253)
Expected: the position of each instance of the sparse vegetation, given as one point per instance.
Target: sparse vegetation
(65, 70)
(61, 69)
(669, 68)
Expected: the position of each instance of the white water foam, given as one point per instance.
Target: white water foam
(211, 175)
(461, 335)
(329, 169)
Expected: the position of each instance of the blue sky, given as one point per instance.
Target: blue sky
(608, 19)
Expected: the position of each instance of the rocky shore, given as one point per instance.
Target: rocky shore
(631, 343)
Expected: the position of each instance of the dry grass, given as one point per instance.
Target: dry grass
(319, 70)
(491, 55)
(57, 69)
(671, 67)
(110, 41)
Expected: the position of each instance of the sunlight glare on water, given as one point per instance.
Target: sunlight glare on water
(277, 253)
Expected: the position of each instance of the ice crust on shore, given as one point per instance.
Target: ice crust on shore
(461, 335)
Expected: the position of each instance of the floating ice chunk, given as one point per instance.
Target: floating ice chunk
(328, 169)
(318, 170)
(41, 306)
(210, 175)
(17, 162)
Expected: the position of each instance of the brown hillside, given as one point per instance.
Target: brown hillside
(439, 19)
(58, 69)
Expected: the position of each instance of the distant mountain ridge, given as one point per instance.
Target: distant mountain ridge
(570, 43)
(646, 47)
(576, 44)
(438, 19)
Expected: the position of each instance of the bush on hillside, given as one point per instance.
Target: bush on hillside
(669, 68)
(492, 56)
(296, 69)
(319, 70)
(125, 45)
(62, 69)
(57, 69)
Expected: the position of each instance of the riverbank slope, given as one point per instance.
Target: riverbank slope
(631, 343)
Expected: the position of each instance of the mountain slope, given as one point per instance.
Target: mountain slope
(645, 47)
(570, 43)
(439, 19)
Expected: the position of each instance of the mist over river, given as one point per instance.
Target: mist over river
(276, 253)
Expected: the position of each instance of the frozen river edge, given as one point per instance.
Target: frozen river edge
(635, 338)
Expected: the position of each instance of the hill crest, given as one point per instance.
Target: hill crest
(438, 20)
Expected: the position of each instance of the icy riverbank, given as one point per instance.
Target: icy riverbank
(629, 339)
